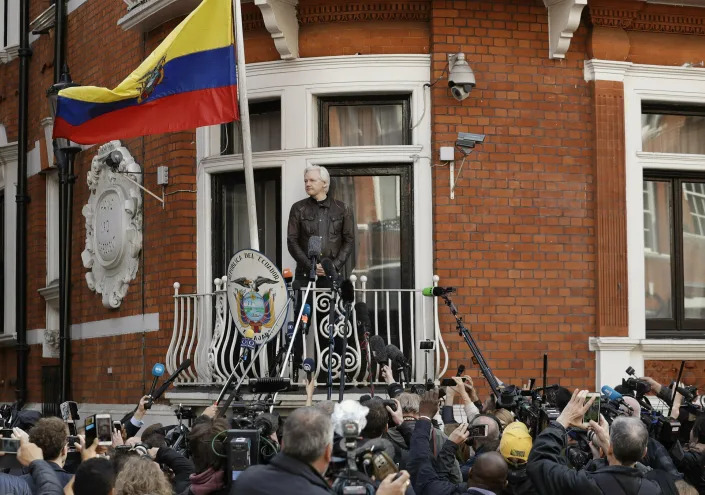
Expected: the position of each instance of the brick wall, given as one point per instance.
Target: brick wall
(667, 371)
(518, 240)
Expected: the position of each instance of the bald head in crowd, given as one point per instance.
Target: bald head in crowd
(489, 472)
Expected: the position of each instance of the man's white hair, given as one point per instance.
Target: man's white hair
(322, 171)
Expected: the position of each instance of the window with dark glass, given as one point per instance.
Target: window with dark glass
(265, 129)
(364, 121)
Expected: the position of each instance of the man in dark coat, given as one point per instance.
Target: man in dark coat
(307, 448)
(625, 444)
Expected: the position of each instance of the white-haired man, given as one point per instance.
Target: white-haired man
(319, 215)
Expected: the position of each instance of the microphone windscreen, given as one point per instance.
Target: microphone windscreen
(314, 246)
(158, 369)
(365, 398)
(296, 286)
(309, 364)
(347, 291)
(394, 353)
(363, 316)
(611, 393)
(329, 268)
(307, 309)
(379, 352)
(249, 333)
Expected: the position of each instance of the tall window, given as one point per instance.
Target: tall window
(364, 121)
(2, 262)
(265, 129)
(674, 225)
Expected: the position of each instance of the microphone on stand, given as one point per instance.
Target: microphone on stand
(304, 318)
(331, 272)
(247, 343)
(308, 366)
(314, 253)
(437, 291)
(378, 350)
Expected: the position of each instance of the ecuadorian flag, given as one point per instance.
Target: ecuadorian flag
(188, 81)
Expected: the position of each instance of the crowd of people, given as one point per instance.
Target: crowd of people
(415, 432)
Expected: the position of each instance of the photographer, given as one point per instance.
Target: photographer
(487, 477)
(51, 435)
(691, 459)
(624, 445)
(208, 455)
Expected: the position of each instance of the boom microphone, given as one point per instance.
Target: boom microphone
(347, 292)
(461, 370)
(437, 291)
(247, 343)
(309, 365)
(157, 371)
(379, 352)
(314, 253)
(168, 381)
(330, 269)
(396, 355)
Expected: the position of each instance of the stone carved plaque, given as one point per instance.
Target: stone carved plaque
(113, 223)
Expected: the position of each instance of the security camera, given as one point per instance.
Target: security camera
(469, 140)
(113, 159)
(461, 78)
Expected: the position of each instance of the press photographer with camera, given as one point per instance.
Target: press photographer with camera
(690, 459)
(624, 444)
(488, 476)
(43, 478)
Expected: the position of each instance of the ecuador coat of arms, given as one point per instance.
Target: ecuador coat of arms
(257, 295)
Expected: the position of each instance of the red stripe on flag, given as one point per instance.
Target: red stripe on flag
(169, 114)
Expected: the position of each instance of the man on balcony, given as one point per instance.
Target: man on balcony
(319, 215)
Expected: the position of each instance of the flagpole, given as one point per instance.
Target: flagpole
(245, 126)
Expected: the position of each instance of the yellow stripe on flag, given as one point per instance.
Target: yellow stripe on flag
(209, 26)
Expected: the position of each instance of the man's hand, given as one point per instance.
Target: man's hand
(429, 404)
(655, 386)
(320, 271)
(574, 412)
(310, 388)
(460, 434)
(87, 452)
(391, 486)
(387, 374)
(153, 452)
(117, 438)
(470, 387)
(601, 439)
(141, 411)
(19, 433)
(211, 411)
(397, 416)
(28, 452)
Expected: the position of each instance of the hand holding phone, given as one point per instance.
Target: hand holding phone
(593, 413)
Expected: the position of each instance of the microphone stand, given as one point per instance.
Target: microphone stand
(470, 341)
(348, 311)
(331, 340)
(369, 363)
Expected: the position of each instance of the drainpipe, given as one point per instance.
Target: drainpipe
(22, 199)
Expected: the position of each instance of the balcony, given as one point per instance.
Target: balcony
(204, 332)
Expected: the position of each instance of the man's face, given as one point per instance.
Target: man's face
(314, 184)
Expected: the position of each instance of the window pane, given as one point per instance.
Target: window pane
(365, 125)
(265, 130)
(657, 249)
(694, 249)
(666, 133)
(376, 202)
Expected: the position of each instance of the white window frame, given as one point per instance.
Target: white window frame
(644, 83)
(9, 51)
(298, 84)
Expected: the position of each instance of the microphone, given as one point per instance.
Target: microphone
(437, 291)
(157, 371)
(308, 366)
(379, 352)
(613, 395)
(168, 381)
(363, 317)
(461, 370)
(247, 343)
(396, 355)
(304, 318)
(347, 292)
(314, 253)
(288, 276)
(331, 270)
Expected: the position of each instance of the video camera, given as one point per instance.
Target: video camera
(362, 463)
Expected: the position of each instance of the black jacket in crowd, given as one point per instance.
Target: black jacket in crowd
(330, 219)
(550, 477)
(60, 473)
(518, 482)
(692, 464)
(283, 474)
(43, 479)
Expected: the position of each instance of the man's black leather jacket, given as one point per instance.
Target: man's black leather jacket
(332, 220)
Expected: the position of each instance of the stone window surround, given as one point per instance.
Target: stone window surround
(644, 83)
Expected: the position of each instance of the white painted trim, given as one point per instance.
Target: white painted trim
(8, 168)
(644, 83)
(563, 21)
(104, 328)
